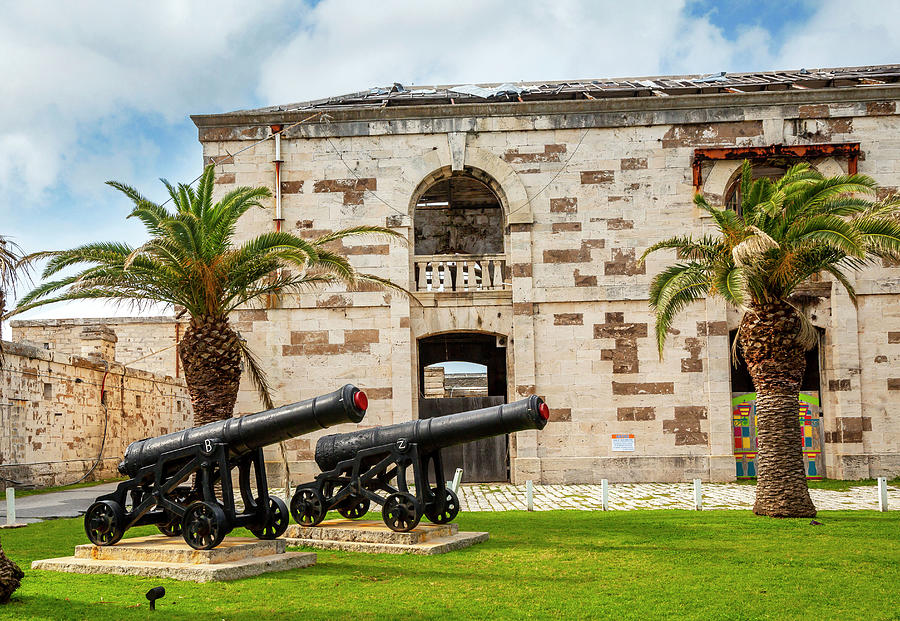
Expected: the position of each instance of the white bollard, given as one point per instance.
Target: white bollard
(604, 493)
(10, 505)
(698, 495)
(529, 495)
(882, 494)
(457, 479)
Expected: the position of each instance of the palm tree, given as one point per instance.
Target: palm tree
(789, 230)
(10, 265)
(192, 262)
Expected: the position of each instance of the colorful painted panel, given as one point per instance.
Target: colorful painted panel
(743, 418)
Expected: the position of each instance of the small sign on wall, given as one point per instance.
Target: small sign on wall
(623, 442)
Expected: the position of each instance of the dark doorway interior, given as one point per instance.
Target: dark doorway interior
(485, 460)
(740, 376)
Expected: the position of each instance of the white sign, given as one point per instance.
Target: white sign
(623, 442)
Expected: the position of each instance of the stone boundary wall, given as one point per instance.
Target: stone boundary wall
(146, 343)
(53, 413)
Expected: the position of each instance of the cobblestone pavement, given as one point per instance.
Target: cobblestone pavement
(629, 496)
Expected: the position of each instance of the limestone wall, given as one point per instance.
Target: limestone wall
(146, 343)
(54, 417)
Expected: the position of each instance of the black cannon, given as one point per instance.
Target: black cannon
(159, 466)
(358, 468)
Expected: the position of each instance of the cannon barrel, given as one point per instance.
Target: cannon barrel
(248, 433)
(436, 433)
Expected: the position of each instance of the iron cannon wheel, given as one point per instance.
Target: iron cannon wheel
(277, 522)
(354, 507)
(401, 512)
(205, 525)
(171, 528)
(308, 506)
(442, 510)
(183, 496)
(104, 522)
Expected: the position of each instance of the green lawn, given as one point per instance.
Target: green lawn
(563, 564)
(837, 485)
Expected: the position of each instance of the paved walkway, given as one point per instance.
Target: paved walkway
(629, 496)
(505, 497)
(68, 503)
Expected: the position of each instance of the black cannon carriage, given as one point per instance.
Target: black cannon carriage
(159, 490)
(362, 467)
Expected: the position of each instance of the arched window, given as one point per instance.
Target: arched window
(458, 215)
(761, 170)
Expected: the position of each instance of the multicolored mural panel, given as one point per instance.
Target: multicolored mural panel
(743, 418)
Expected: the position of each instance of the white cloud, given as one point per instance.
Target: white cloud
(72, 70)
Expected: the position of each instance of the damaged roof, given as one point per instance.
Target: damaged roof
(398, 95)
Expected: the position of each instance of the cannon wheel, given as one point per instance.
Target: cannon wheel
(401, 512)
(183, 496)
(277, 523)
(104, 522)
(443, 512)
(308, 507)
(172, 528)
(354, 507)
(204, 525)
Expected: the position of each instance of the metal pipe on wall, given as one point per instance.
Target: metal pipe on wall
(276, 130)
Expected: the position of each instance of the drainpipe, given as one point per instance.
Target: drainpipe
(276, 130)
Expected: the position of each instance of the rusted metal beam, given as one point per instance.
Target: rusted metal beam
(850, 150)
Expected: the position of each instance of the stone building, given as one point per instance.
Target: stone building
(66, 414)
(526, 208)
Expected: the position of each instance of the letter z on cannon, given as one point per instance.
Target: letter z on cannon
(370, 465)
(159, 466)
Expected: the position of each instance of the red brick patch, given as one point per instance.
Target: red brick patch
(291, 187)
(712, 328)
(564, 205)
(522, 270)
(643, 388)
(686, 425)
(710, 134)
(560, 415)
(568, 319)
(618, 224)
(635, 414)
(566, 227)
(624, 263)
(880, 108)
(597, 177)
(634, 163)
(226, 178)
(551, 153)
(584, 280)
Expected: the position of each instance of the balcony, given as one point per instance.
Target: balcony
(455, 273)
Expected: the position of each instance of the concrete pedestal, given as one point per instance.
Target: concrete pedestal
(170, 557)
(373, 536)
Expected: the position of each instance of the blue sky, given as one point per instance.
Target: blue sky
(97, 90)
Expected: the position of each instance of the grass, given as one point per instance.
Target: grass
(837, 485)
(46, 490)
(560, 564)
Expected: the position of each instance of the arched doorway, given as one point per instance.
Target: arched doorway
(809, 410)
(474, 365)
(458, 240)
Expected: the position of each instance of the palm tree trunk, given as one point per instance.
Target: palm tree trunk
(211, 356)
(10, 577)
(776, 361)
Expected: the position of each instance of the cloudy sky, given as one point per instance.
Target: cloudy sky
(91, 91)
